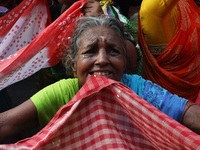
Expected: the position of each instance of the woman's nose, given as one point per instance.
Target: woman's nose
(102, 58)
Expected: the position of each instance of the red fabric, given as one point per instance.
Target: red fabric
(177, 69)
(27, 44)
(198, 99)
(107, 115)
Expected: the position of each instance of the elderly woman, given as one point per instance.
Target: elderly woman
(94, 8)
(98, 47)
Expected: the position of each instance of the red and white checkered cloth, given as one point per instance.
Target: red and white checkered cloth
(107, 115)
(27, 41)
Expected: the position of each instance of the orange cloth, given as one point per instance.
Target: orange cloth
(177, 69)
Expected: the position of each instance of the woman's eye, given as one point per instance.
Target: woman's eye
(89, 53)
(114, 52)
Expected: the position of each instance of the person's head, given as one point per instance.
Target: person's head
(98, 47)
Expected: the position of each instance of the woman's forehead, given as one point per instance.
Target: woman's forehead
(101, 33)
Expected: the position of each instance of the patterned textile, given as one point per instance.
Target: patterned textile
(177, 69)
(105, 114)
(27, 44)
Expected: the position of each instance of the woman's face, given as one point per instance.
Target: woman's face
(101, 53)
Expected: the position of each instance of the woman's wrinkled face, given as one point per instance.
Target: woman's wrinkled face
(100, 53)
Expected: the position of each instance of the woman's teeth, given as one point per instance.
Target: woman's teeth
(101, 73)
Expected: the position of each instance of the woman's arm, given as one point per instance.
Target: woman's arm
(21, 118)
(176, 107)
(191, 118)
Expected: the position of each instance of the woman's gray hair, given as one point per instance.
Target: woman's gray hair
(85, 23)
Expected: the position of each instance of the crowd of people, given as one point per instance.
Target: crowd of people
(163, 69)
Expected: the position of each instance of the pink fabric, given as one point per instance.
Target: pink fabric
(198, 99)
(107, 115)
(27, 44)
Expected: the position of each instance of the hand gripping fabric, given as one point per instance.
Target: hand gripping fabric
(107, 115)
(27, 41)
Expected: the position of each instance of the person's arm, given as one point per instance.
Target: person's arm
(191, 118)
(131, 56)
(92, 8)
(176, 107)
(21, 118)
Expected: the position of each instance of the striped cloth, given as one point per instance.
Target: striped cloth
(106, 114)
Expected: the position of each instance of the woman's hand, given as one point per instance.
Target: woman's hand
(92, 9)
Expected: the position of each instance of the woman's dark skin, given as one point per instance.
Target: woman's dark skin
(191, 119)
